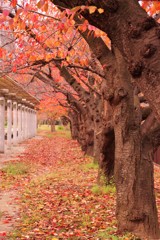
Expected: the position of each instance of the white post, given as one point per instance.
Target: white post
(23, 122)
(26, 122)
(9, 123)
(2, 122)
(35, 122)
(29, 124)
(28, 127)
(15, 125)
(32, 123)
(19, 122)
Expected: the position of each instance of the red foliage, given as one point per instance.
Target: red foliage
(51, 106)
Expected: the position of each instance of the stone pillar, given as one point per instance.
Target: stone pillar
(33, 131)
(30, 123)
(23, 122)
(2, 122)
(19, 122)
(26, 122)
(9, 123)
(34, 123)
(15, 123)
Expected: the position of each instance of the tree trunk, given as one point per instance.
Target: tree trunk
(107, 155)
(53, 126)
(74, 124)
(104, 142)
(136, 207)
(86, 134)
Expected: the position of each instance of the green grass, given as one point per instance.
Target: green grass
(60, 131)
(91, 165)
(109, 189)
(110, 234)
(14, 169)
(59, 128)
(48, 127)
(44, 127)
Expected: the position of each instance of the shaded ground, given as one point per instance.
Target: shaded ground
(58, 195)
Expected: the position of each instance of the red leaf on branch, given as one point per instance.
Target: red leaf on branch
(13, 3)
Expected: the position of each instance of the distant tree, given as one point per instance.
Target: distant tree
(50, 106)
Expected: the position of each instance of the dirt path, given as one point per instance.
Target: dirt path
(8, 199)
(9, 211)
(11, 154)
(8, 207)
(16, 150)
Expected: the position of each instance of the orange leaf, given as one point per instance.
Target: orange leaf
(100, 10)
(92, 9)
(40, 3)
(75, 9)
(46, 7)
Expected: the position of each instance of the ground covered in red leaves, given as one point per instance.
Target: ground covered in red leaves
(58, 195)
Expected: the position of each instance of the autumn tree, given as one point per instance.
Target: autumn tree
(133, 146)
(50, 106)
(124, 40)
(135, 34)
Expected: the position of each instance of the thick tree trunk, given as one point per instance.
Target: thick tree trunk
(87, 134)
(104, 142)
(136, 207)
(74, 126)
(107, 155)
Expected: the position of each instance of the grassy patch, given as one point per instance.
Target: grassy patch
(14, 169)
(44, 127)
(59, 128)
(60, 131)
(110, 234)
(91, 165)
(109, 189)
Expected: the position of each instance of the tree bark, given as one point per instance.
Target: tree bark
(136, 207)
(53, 129)
(74, 124)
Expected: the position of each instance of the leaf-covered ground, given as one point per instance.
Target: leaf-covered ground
(58, 195)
